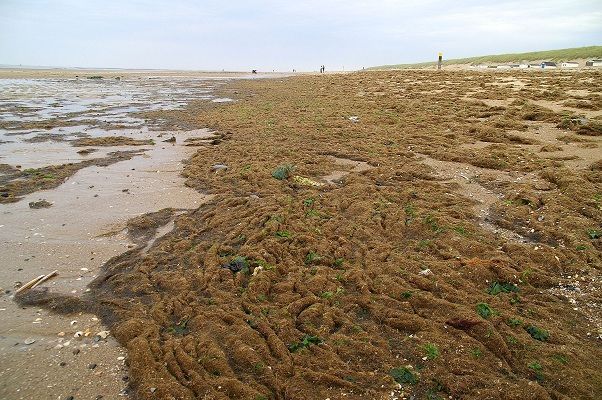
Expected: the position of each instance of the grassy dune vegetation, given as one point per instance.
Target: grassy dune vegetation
(549, 55)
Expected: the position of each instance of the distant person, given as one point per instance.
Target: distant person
(254, 71)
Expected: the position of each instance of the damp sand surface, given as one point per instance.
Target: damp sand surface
(85, 225)
(71, 237)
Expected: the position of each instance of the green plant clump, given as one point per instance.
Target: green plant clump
(312, 257)
(283, 234)
(502, 287)
(537, 370)
(282, 172)
(537, 333)
(432, 351)
(305, 342)
(403, 376)
(594, 234)
(484, 310)
(181, 328)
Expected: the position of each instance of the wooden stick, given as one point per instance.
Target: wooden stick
(29, 284)
(44, 279)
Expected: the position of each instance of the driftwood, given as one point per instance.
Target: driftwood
(37, 281)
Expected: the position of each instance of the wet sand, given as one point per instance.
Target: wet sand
(83, 228)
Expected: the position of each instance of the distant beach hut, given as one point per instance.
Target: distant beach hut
(593, 63)
(548, 65)
(569, 65)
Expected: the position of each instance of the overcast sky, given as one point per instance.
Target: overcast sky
(282, 35)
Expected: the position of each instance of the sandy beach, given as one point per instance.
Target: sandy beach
(370, 235)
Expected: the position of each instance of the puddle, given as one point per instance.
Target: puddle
(20, 151)
(105, 100)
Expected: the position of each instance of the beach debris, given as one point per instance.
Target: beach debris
(257, 270)
(29, 341)
(219, 167)
(282, 172)
(170, 140)
(78, 334)
(354, 119)
(29, 284)
(74, 322)
(237, 264)
(425, 272)
(102, 334)
(39, 204)
(45, 278)
(36, 281)
(306, 181)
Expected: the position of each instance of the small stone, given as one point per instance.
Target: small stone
(91, 366)
(70, 398)
(75, 352)
(219, 167)
(61, 334)
(120, 358)
(29, 341)
(62, 363)
(153, 389)
(78, 334)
